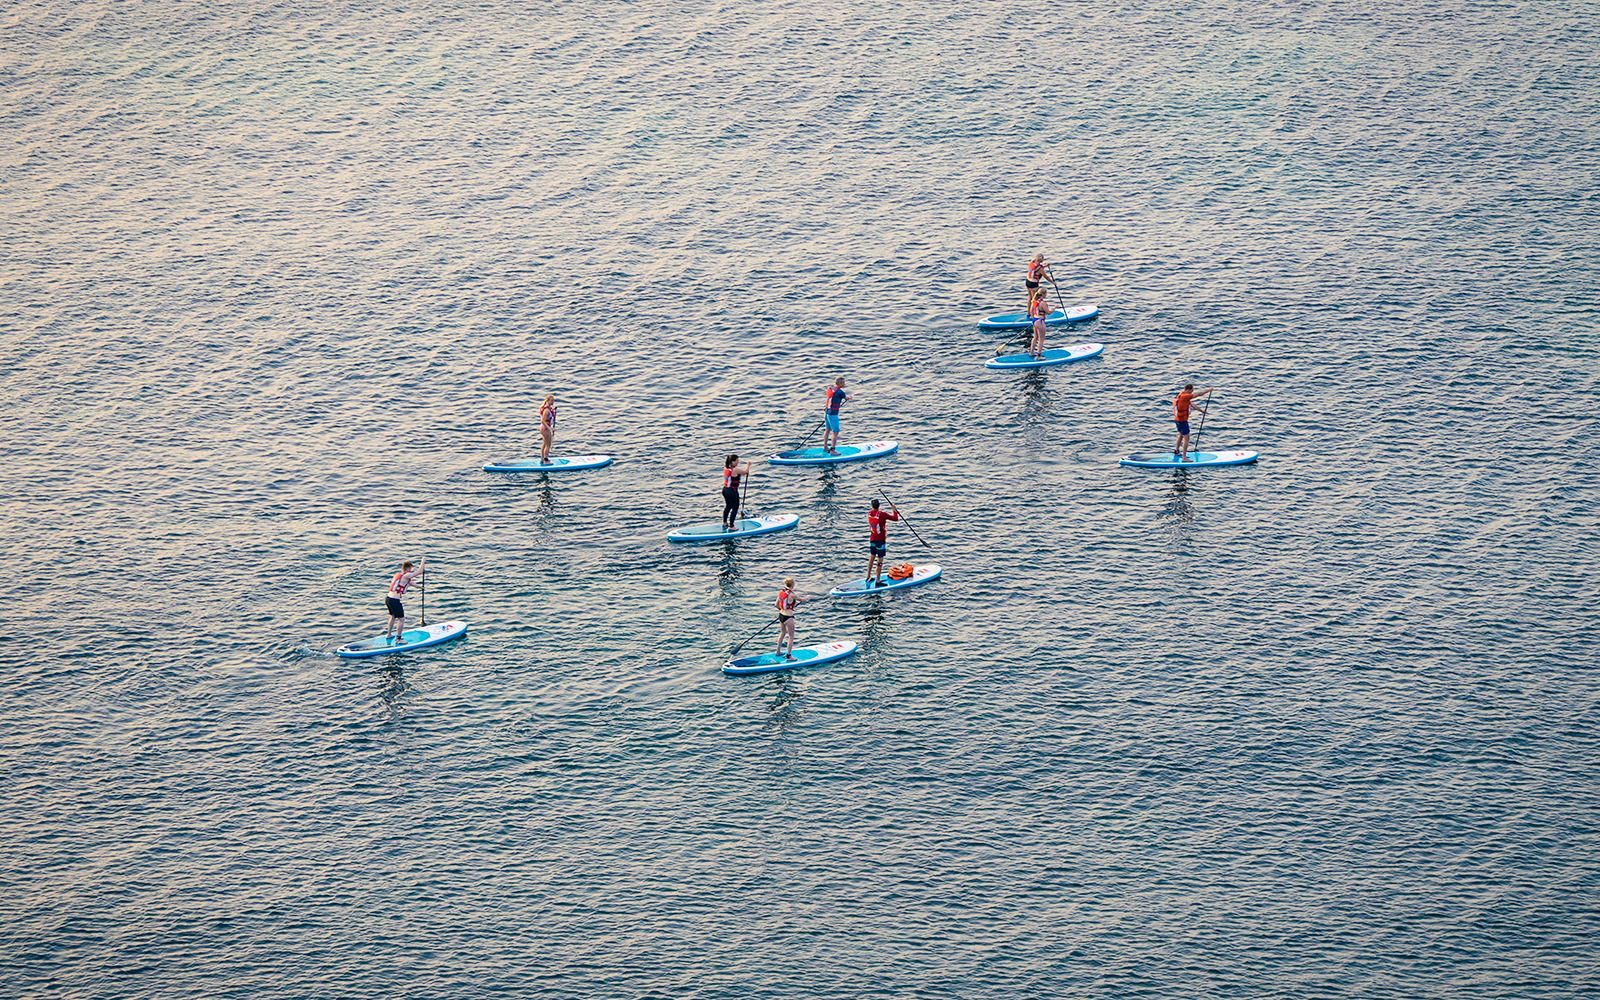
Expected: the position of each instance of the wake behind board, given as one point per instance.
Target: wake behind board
(712, 531)
(1192, 460)
(414, 638)
(1020, 321)
(575, 464)
(859, 588)
(845, 453)
(1054, 356)
(807, 656)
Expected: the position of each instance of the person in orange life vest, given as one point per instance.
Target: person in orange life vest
(1038, 271)
(397, 611)
(1180, 414)
(787, 601)
(547, 427)
(731, 476)
(1038, 311)
(830, 415)
(878, 545)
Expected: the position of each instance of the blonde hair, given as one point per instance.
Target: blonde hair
(789, 582)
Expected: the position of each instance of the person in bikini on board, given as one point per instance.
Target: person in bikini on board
(1038, 311)
(397, 611)
(787, 601)
(547, 427)
(1180, 415)
(732, 476)
(878, 543)
(830, 415)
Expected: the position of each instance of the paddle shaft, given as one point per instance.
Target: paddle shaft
(904, 519)
(1202, 427)
(752, 635)
(423, 565)
(813, 434)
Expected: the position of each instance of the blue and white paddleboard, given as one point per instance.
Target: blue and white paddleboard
(1054, 356)
(1193, 460)
(412, 638)
(806, 656)
(713, 531)
(859, 588)
(845, 453)
(575, 464)
(1020, 321)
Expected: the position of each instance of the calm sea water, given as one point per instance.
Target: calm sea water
(277, 279)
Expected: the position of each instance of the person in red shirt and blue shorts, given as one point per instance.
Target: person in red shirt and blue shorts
(1180, 414)
(879, 544)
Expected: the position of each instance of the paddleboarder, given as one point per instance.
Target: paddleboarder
(787, 601)
(878, 544)
(1180, 415)
(732, 475)
(836, 398)
(1038, 271)
(547, 427)
(397, 611)
(1038, 310)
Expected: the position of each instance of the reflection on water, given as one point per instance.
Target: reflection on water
(784, 691)
(392, 689)
(1037, 401)
(1179, 509)
(728, 571)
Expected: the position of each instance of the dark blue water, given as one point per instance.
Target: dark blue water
(276, 281)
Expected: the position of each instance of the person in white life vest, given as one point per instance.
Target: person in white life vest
(397, 590)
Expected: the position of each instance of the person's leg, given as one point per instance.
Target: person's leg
(544, 444)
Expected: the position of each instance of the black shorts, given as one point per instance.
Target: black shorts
(1031, 284)
(396, 609)
(784, 618)
(877, 548)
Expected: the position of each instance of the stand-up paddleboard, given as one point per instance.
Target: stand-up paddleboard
(575, 464)
(1020, 321)
(845, 453)
(1193, 460)
(1054, 356)
(713, 531)
(807, 656)
(859, 588)
(411, 638)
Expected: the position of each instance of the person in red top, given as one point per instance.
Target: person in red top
(787, 601)
(1038, 271)
(397, 611)
(1180, 414)
(879, 545)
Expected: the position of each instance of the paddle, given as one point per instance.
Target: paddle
(808, 437)
(1196, 443)
(422, 567)
(903, 519)
(735, 650)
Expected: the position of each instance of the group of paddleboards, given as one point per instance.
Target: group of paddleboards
(736, 524)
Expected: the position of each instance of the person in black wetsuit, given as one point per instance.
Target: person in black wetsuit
(732, 475)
